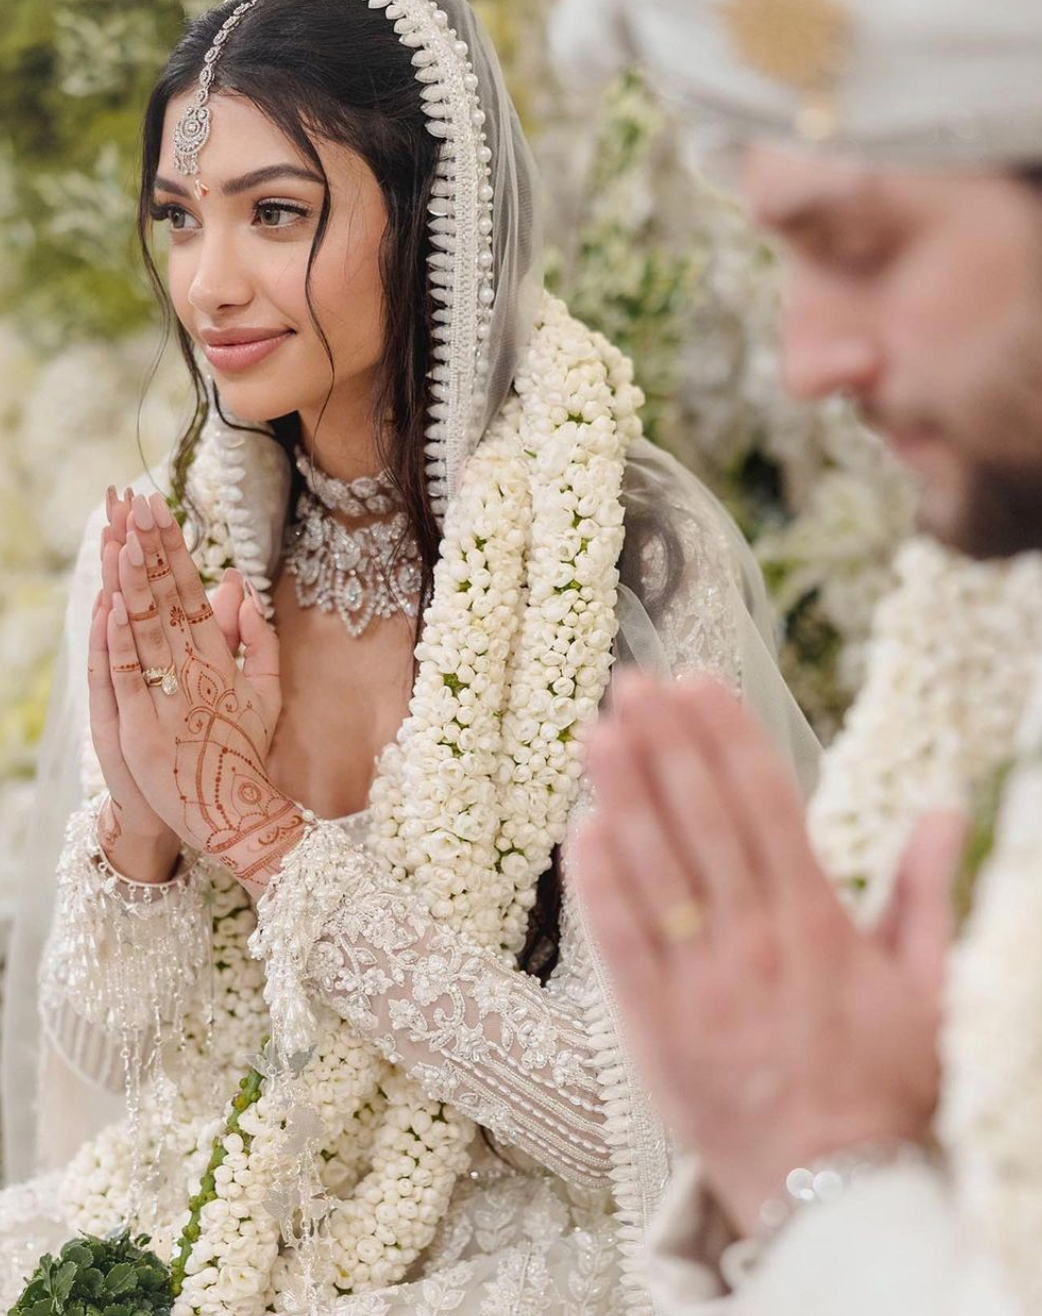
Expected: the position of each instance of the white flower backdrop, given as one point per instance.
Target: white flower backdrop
(641, 247)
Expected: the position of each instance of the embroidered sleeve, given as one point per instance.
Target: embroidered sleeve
(472, 1030)
(122, 959)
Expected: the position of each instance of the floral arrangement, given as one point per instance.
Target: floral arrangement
(467, 808)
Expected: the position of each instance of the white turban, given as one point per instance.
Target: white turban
(918, 82)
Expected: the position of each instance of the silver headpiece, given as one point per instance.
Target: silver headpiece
(194, 127)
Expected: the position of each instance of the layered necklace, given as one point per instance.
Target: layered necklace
(363, 572)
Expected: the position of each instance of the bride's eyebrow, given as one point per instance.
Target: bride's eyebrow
(235, 186)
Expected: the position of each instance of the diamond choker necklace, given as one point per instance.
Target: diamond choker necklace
(363, 572)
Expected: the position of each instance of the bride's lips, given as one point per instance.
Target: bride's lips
(230, 356)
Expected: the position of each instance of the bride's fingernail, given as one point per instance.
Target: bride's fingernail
(134, 550)
(143, 513)
(104, 542)
(254, 597)
(97, 603)
(161, 511)
(119, 610)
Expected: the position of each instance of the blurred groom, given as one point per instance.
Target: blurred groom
(894, 147)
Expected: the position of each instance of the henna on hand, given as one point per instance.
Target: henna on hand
(110, 825)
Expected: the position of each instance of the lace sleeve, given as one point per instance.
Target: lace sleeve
(122, 958)
(471, 1029)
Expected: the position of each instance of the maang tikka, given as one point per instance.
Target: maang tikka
(193, 129)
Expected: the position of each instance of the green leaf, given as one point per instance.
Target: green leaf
(64, 1280)
(78, 1252)
(121, 1278)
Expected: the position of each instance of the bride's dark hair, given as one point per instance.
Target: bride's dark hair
(335, 69)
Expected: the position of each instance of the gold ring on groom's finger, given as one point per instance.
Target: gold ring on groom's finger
(682, 921)
(163, 677)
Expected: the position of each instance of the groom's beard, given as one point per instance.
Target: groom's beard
(1002, 511)
(983, 494)
(1001, 507)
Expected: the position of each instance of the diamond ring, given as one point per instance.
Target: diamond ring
(163, 677)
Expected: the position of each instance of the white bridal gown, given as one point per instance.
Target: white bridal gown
(553, 1220)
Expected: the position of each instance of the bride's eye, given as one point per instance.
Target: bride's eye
(280, 214)
(177, 217)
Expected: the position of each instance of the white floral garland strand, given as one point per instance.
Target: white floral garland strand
(934, 718)
(937, 717)
(578, 440)
(596, 424)
(434, 801)
(991, 1109)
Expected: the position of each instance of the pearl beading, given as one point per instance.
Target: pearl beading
(462, 260)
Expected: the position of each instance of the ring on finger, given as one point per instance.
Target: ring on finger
(682, 921)
(165, 678)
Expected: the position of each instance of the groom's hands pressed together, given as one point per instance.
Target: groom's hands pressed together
(772, 1031)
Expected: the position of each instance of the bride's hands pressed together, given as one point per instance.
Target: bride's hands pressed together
(194, 731)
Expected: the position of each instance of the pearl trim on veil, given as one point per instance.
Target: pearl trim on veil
(462, 261)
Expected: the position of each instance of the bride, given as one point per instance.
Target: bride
(309, 920)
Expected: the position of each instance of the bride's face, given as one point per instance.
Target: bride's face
(239, 246)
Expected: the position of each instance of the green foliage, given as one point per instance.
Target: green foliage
(115, 1276)
(621, 279)
(74, 79)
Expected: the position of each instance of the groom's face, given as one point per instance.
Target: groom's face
(920, 297)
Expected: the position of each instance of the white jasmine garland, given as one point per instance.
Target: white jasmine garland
(467, 808)
(937, 719)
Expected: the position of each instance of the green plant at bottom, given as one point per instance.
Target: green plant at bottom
(118, 1275)
(115, 1276)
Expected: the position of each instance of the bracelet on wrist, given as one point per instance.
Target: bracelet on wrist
(829, 1177)
(109, 870)
(825, 1180)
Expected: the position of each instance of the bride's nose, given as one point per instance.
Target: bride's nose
(220, 280)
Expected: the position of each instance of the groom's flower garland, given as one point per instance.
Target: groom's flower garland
(467, 808)
(936, 716)
(951, 669)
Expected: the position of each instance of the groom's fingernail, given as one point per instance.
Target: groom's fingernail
(143, 513)
(161, 510)
(134, 550)
(119, 610)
